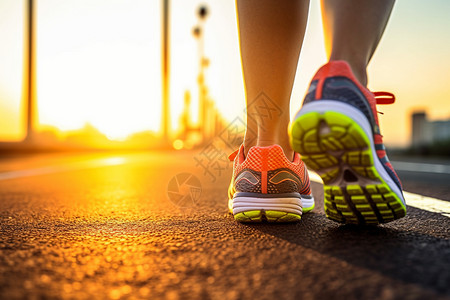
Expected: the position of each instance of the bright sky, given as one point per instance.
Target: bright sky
(99, 62)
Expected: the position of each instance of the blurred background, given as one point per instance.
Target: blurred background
(116, 74)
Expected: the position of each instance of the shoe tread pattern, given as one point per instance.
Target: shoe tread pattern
(334, 146)
(257, 216)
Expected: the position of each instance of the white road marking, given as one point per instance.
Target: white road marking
(428, 203)
(415, 200)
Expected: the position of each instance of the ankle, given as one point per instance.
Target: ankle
(360, 75)
(268, 134)
(358, 66)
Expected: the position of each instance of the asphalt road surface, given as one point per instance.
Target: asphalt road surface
(95, 226)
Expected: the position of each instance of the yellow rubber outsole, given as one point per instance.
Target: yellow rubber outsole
(266, 215)
(331, 140)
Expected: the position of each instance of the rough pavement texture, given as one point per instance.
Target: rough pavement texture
(111, 232)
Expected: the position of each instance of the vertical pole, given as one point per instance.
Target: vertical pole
(204, 116)
(165, 72)
(29, 83)
(202, 82)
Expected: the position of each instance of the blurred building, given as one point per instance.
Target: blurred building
(425, 132)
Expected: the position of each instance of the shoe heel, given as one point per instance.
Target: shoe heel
(357, 189)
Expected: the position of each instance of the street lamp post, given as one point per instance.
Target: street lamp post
(165, 126)
(198, 33)
(29, 74)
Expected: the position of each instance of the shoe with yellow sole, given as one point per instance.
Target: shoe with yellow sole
(337, 134)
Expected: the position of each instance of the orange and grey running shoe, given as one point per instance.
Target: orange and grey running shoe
(267, 186)
(337, 133)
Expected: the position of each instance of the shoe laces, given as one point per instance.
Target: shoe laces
(233, 155)
(383, 98)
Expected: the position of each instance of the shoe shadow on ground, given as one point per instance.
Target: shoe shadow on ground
(394, 250)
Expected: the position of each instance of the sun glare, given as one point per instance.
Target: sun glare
(102, 86)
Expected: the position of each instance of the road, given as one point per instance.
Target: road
(94, 226)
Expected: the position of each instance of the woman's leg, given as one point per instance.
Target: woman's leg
(353, 29)
(271, 35)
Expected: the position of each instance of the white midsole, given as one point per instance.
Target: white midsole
(243, 204)
(323, 106)
(308, 203)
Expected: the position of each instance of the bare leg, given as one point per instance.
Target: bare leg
(353, 29)
(271, 35)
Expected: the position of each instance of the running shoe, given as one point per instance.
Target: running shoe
(337, 133)
(267, 186)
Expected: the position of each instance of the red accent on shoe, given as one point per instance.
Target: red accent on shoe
(378, 139)
(233, 155)
(382, 98)
(264, 169)
(381, 153)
